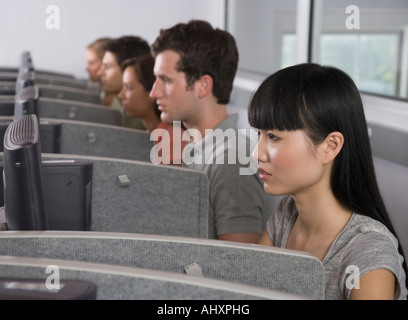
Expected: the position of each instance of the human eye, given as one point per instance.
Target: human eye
(165, 79)
(260, 133)
(272, 136)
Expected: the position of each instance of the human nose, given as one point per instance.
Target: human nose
(101, 71)
(259, 153)
(154, 93)
(121, 94)
(255, 152)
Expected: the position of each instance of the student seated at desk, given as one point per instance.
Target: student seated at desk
(195, 66)
(138, 79)
(314, 150)
(116, 52)
(94, 55)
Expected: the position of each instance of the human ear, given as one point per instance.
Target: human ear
(331, 146)
(204, 85)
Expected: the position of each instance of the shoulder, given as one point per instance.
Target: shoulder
(366, 245)
(372, 245)
(366, 233)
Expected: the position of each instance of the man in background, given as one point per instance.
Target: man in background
(116, 52)
(195, 68)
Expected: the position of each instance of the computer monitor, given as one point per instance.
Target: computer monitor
(25, 58)
(42, 195)
(67, 192)
(24, 200)
(27, 102)
(26, 63)
(26, 79)
(50, 134)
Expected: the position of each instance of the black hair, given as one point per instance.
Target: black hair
(321, 100)
(143, 69)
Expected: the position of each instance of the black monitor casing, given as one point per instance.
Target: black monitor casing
(24, 201)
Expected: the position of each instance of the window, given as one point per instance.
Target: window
(370, 59)
(257, 26)
(288, 50)
(373, 50)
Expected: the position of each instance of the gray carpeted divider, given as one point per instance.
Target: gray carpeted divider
(67, 93)
(262, 266)
(123, 283)
(77, 110)
(133, 196)
(85, 138)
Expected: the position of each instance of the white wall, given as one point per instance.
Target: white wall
(23, 26)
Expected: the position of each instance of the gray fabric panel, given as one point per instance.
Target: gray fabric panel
(79, 111)
(66, 93)
(105, 141)
(61, 81)
(158, 199)
(124, 283)
(271, 268)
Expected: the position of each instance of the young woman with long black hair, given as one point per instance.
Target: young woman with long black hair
(314, 150)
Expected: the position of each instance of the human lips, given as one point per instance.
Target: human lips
(103, 83)
(263, 175)
(161, 106)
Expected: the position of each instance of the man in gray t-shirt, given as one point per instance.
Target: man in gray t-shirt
(238, 202)
(195, 67)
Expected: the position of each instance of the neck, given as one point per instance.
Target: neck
(108, 99)
(320, 212)
(321, 219)
(209, 118)
(150, 121)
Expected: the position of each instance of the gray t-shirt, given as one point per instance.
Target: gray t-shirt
(237, 200)
(364, 245)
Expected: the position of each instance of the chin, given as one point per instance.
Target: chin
(274, 191)
(165, 117)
